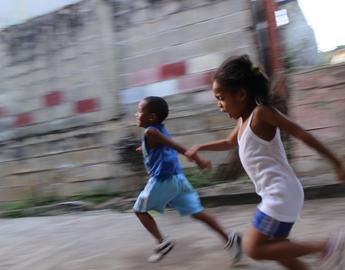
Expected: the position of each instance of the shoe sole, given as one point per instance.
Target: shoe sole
(156, 257)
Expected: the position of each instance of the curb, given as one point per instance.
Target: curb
(310, 193)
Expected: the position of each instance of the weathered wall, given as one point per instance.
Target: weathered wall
(317, 103)
(57, 72)
(65, 75)
(172, 46)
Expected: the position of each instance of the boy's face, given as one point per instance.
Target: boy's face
(143, 116)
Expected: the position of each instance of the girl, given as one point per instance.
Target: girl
(242, 91)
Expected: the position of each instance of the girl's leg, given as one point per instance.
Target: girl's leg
(149, 223)
(262, 247)
(212, 223)
(294, 264)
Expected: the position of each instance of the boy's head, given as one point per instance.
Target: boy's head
(151, 110)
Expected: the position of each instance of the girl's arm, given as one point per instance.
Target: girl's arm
(277, 119)
(220, 145)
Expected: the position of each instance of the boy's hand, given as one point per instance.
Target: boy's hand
(139, 149)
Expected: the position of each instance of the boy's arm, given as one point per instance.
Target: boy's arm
(277, 119)
(155, 137)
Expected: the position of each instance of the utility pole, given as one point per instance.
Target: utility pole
(275, 51)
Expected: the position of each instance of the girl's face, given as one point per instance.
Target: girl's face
(143, 116)
(228, 102)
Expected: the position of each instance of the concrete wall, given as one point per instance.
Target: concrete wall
(71, 80)
(173, 45)
(57, 72)
(317, 104)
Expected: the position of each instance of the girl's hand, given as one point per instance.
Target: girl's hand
(191, 152)
(341, 173)
(139, 149)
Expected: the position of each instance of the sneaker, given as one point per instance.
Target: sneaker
(161, 250)
(334, 255)
(234, 245)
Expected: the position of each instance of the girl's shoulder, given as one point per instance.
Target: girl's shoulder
(261, 124)
(264, 112)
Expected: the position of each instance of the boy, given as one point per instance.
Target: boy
(167, 184)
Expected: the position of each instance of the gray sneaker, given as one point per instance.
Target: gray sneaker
(334, 255)
(234, 245)
(161, 250)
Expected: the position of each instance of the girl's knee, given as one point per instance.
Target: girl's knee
(251, 250)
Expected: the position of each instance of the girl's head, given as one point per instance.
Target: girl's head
(151, 111)
(239, 85)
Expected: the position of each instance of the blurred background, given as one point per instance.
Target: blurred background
(72, 73)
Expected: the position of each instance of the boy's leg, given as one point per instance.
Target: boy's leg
(150, 224)
(155, 196)
(188, 203)
(232, 240)
(164, 245)
(212, 223)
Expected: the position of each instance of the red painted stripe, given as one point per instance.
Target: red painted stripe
(195, 82)
(53, 99)
(23, 119)
(172, 70)
(161, 73)
(145, 76)
(2, 112)
(86, 105)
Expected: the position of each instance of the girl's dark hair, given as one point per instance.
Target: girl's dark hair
(239, 72)
(158, 106)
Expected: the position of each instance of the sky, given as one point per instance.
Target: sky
(327, 17)
(17, 11)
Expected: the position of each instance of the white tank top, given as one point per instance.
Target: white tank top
(275, 182)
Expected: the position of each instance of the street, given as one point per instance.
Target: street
(106, 240)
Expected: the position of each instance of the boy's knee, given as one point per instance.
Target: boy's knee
(199, 215)
(140, 214)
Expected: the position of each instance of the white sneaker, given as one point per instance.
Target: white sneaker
(161, 250)
(334, 256)
(234, 245)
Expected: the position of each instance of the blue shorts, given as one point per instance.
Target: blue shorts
(175, 191)
(270, 226)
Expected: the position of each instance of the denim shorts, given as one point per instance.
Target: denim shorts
(174, 191)
(270, 226)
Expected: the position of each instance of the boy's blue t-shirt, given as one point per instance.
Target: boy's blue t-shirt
(162, 160)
